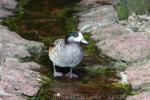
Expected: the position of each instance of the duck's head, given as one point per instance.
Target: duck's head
(75, 37)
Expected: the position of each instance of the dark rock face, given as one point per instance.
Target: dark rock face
(17, 77)
(7, 7)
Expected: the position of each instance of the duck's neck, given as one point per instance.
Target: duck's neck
(66, 41)
(69, 43)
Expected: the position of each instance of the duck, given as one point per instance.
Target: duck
(67, 52)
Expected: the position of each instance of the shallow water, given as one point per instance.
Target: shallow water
(47, 20)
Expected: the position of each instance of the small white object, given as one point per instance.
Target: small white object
(124, 78)
(58, 94)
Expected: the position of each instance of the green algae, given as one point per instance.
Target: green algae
(97, 85)
(100, 71)
(122, 10)
(126, 7)
(43, 21)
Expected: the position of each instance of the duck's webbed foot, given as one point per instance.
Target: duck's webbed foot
(57, 74)
(71, 75)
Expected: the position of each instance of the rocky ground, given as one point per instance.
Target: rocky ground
(18, 78)
(118, 40)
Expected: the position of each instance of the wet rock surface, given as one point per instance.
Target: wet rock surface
(18, 78)
(108, 32)
(96, 17)
(7, 7)
(98, 2)
(138, 75)
(129, 48)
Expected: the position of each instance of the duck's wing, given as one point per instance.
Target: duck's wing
(59, 43)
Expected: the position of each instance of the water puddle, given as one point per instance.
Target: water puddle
(47, 20)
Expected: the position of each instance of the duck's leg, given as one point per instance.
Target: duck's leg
(56, 73)
(70, 74)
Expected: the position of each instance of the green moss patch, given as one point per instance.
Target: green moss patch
(122, 10)
(44, 21)
(126, 7)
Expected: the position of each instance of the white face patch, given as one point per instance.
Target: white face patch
(80, 38)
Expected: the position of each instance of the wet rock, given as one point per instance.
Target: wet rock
(109, 31)
(138, 76)
(17, 78)
(18, 51)
(4, 13)
(16, 46)
(9, 36)
(96, 17)
(141, 96)
(97, 2)
(129, 47)
(20, 78)
(8, 4)
(7, 7)
(11, 98)
(34, 47)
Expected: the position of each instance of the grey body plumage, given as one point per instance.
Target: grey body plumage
(67, 53)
